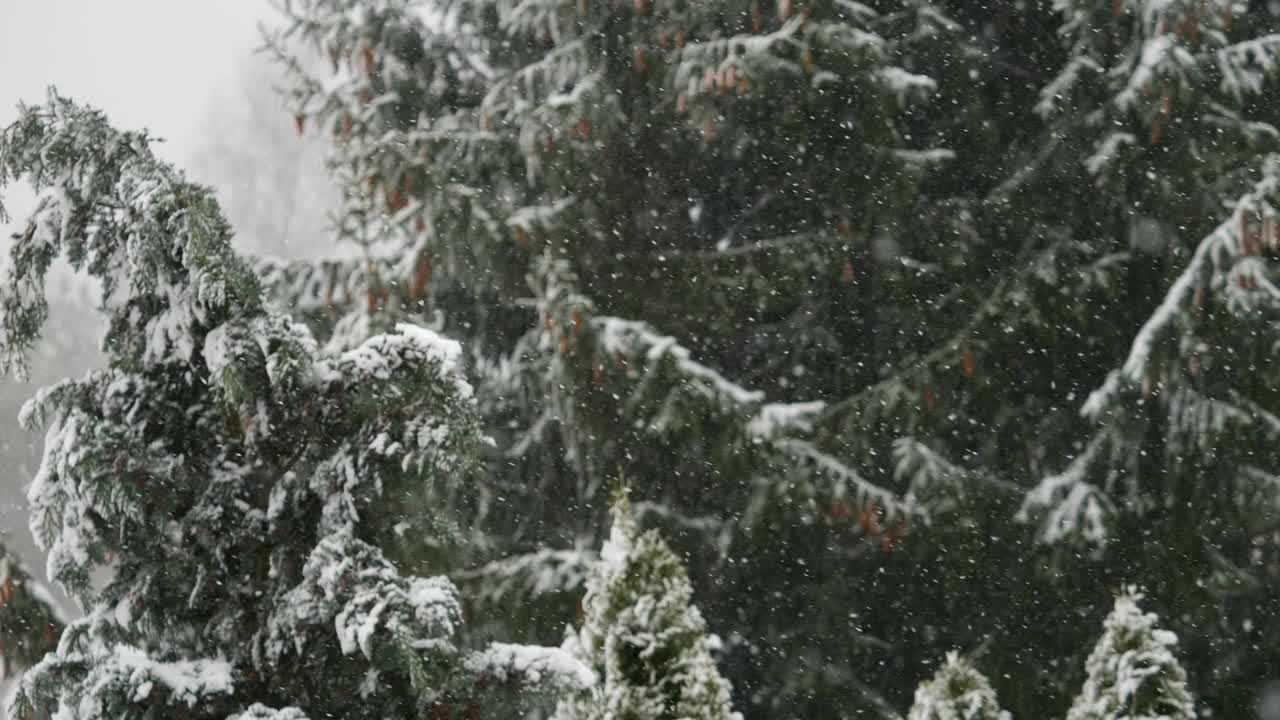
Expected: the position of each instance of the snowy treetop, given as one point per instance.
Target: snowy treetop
(642, 633)
(1133, 673)
(956, 692)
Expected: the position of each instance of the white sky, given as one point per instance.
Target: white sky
(147, 63)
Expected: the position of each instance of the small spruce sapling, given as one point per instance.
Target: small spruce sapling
(1132, 671)
(641, 633)
(956, 692)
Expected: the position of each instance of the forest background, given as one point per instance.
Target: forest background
(944, 461)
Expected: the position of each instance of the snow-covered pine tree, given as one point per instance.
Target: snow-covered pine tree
(627, 162)
(1133, 673)
(474, 136)
(243, 518)
(958, 691)
(30, 621)
(760, 288)
(643, 636)
(1166, 104)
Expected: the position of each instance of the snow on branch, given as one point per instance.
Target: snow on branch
(531, 665)
(636, 339)
(1214, 263)
(660, 387)
(1145, 61)
(351, 590)
(848, 482)
(528, 575)
(258, 711)
(305, 286)
(1246, 65)
(958, 691)
(642, 635)
(777, 419)
(1068, 505)
(101, 675)
(1133, 670)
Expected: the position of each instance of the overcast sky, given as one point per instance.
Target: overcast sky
(148, 63)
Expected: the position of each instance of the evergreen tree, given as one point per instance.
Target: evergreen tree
(1133, 672)
(642, 634)
(956, 692)
(827, 281)
(1170, 67)
(1165, 108)
(547, 181)
(244, 519)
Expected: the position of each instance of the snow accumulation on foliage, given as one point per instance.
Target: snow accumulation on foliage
(1133, 673)
(642, 634)
(956, 692)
